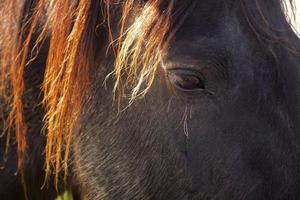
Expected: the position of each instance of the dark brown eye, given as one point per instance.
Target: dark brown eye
(186, 81)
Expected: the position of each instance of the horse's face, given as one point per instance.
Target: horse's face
(220, 121)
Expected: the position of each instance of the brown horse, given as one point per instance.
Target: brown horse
(204, 102)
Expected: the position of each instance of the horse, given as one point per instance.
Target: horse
(149, 99)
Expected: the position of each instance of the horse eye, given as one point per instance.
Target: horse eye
(186, 81)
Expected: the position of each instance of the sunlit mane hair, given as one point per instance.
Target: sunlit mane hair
(138, 32)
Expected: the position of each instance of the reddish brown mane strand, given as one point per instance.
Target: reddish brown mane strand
(70, 28)
(13, 62)
(148, 31)
(66, 78)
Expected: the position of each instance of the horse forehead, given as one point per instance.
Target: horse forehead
(197, 39)
(220, 33)
(207, 10)
(207, 19)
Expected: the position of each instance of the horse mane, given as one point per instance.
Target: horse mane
(138, 41)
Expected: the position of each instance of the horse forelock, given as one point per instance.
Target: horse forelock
(145, 28)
